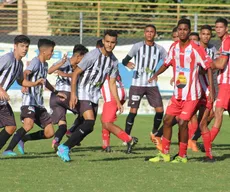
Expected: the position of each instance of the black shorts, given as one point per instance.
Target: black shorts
(85, 105)
(59, 107)
(40, 115)
(152, 94)
(6, 116)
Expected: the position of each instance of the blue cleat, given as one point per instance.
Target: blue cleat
(63, 153)
(9, 153)
(21, 147)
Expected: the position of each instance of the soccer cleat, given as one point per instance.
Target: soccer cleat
(63, 153)
(21, 147)
(179, 159)
(68, 133)
(156, 141)
(9, 153)
(192, 145)
(55, 145)
(131, 144)
(201, 147)
(209, 160)
(160, 157)
(124, 143)
(107, 149)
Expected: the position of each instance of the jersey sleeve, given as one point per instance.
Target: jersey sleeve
(203, 59)
(88, 59)
(33, 66)
(5, 61)
(169, 59)
(114, 70)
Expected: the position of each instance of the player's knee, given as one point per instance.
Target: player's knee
(10, 129)
(49, 131)
(182, 123)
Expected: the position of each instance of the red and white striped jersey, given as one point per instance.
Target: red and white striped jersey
(224, 74)
(105, 91)
(186, 62)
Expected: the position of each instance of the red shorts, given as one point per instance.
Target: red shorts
(205, 102)
(183, 109)
(109, 111)
(223, 97)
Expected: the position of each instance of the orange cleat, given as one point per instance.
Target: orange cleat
(156, 141)
(192, 145)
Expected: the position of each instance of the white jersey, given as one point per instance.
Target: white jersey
(34, 96)
(95, 67)
(146, 59)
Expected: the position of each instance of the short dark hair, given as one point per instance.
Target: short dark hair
(21, 39)
(45, 43)
(194, 34)
(184, 21)
(174, 30)
(99, 43)
(208, 27)
(81, 49)
(111, 33)
(222, 20)
(151, 25)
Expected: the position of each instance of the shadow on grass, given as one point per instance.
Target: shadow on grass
(217, 158)
(27, 157)
(118, 158)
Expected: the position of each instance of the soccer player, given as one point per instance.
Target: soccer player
(175, 34)
(223, 64)
(87, 80)
(205, 108)
(33, 110)
(194, 36)
(64, 68)
(185, 56)
(147, 55)
(108, 116)
(11, 69)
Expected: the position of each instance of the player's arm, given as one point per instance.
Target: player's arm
(53, 90)
(22, 80)
(113, 90)
(62, 74)
(57, 65)
(73, 96)
(211, 84)
(161, 70)
(220, 62)
(3, 94)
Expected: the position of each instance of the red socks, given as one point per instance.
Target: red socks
(165, 145)
(105, 138)
(207, 144)
(192, 127)
(183, 149)
(124, 136)
(214, 131)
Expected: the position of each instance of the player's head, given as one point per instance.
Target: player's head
(194, 36)
(21, 45)
(221, 27)
(183, 29)
(175, 34)
(78, 53)
(205, 34)
(99, 44)
(109, 40)
(46, 48)
(150, 32)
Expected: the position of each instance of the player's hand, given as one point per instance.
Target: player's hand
(40, 81)
(211, 98)
(172, 81)
(120, 108)
(59, 73)
(62, 96)
(64, 58)
(73, 101)
(154, 77)
(130, 65)
(24, 89)
(4, 96)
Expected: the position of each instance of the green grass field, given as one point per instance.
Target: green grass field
(94, 171)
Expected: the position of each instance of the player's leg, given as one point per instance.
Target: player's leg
(135, 95)
(88, 110)
(7, 120)
(78, 121)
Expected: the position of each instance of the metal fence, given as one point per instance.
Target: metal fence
(70, 19)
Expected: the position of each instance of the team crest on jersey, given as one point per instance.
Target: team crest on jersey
(181, 81)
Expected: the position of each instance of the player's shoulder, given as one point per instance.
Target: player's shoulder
(227, 40)
(8, 56)
(139, 44)
(114, 58)
(160, 47)
(35, 61)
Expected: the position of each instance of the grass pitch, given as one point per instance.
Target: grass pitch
(40, 170)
